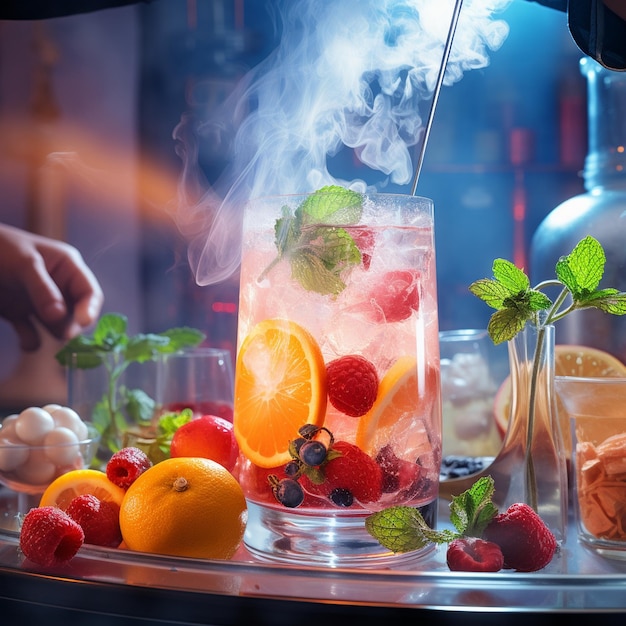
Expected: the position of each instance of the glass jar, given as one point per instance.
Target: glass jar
(600, 212)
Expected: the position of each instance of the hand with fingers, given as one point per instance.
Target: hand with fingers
(47, 281)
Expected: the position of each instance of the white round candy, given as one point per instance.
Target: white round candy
(64, 416)
(51, 407)
(33, 424)
(61, 445)
(12, 455)
(7, 429)
(38, 470)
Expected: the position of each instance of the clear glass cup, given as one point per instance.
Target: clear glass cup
(472, 369)
(383, 309)
(116, 401)
(200, 379)
(597, 413)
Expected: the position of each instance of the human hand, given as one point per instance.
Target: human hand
(45, 280)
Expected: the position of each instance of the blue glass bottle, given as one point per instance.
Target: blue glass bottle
(600, 212)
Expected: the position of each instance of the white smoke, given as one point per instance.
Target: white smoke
(355, 74)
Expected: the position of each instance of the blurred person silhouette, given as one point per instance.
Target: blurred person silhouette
(597, 26)
(45, 282)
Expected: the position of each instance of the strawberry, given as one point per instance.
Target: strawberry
(99, 520)
(352, 384)
(471, 554)
(126, 465)
(526, 542)
(398, 474)
(49, 536)
(349, 474)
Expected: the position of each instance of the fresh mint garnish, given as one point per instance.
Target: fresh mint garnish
(111, 346)
(403, 528)
(509, 292)
(516, 303)
(311, 238)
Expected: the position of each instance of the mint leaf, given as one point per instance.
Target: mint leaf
(608, 300)
(332, 205)
(471, 512)
(516, 303)
(171, 422)
(110, 331)
(111, 347)
(139, 406)
(510, 276)
(318, 253)
(143, 348)
(403, 528)
(180, 339)
(581, 271)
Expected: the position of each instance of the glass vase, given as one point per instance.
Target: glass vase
(531, 465)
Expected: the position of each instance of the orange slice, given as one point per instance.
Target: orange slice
(586, 362)
(280, 385)
(68, 486)
(397, 414)
(570, 360)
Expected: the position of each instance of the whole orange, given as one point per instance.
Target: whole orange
(188, 507)
(209, 437)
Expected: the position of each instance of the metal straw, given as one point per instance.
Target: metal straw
(433, 104)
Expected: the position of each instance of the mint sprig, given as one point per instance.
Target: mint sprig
(320, 255)
(516, 303)
(111, 346)
(509, 292)
(403, 528)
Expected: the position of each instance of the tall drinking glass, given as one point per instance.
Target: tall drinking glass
(337, 397)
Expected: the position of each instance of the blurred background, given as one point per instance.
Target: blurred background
(88, 105)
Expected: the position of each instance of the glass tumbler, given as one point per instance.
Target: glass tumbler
(337, 399)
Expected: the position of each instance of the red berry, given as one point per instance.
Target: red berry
(399, 475)
(364, 239)
(352, 384)
(209, 437)
(471, 554)
(49, 536)
(526, 542)
(353, 470)
(126, 465)
(395, 297)
(99, 520)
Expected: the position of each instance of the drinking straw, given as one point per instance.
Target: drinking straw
(433, 104)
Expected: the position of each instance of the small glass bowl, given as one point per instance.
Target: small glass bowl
(30, 469)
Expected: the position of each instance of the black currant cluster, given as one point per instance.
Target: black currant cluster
(308, 453)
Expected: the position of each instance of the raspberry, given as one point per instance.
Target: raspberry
(526, 542)
(353, 471)
(352, 384)
(398, 475)
(126, 465)
(49, 536)
(396, 297)
(471, 554)
(99, 520)
(364, 239)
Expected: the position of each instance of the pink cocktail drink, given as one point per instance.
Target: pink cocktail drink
(338, 304)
